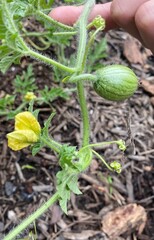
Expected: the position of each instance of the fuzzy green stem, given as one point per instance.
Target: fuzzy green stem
(55, 146)
(83, 77)
(4, 113)
(102, 159)
(36, 46)
(101, 143)
(84, 113)
(38, 34)
(80, 68)
(34, 34)
(64, 33)
(52, 21)
(83, 34)
(16, 231)
(49, 61)
(21, 106)
(91, 40)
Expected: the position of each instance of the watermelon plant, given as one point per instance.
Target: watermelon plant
(113, 82)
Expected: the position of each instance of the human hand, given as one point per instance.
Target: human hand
(135, 17)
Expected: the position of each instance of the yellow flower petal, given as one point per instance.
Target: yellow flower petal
(21, 139)
(26, 121)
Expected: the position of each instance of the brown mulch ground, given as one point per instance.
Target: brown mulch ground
(90, 214)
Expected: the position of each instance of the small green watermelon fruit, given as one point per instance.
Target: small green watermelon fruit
(115, 82)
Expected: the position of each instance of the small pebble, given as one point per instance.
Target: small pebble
(9, 188)
(12, 216)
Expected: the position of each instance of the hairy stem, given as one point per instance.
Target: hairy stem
(50, 61)
(82, 24)
(17, 230)
(80, 68)
(102, 159)
(38, 34)
(99, 144)
(83, 77)
(52, 144)
(52, 21)
(91, 40)
(85, 115)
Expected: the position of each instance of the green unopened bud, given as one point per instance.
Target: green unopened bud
(98, 22)
(29, 96)
(116, 166)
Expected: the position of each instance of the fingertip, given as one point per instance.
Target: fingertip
(144, 19)
(70, 14)
(66, 14)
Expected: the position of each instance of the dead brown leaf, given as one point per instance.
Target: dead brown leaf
(124, 219)
(132, 50)
(148, 86)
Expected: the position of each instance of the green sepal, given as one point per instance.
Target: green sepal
(37, 147)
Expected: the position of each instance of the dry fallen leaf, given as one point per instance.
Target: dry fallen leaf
(148, 86)
(132, 50)
(124, 219)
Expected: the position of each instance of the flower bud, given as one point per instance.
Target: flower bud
(29, 96)
(116, 166)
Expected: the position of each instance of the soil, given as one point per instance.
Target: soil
(22, 189)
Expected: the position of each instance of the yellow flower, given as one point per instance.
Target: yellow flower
(26, 121)
(27, 131)
(21, 139)
(29, 96)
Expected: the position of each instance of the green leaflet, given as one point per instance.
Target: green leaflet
(6, 101)
(72, 163)
(67, 182)
(6, 62)
(37, 147)
(26, 81)
(50, 95)
(41, 4)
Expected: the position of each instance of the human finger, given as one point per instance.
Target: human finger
(70, 14)
(123, 13)
(144, 19)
